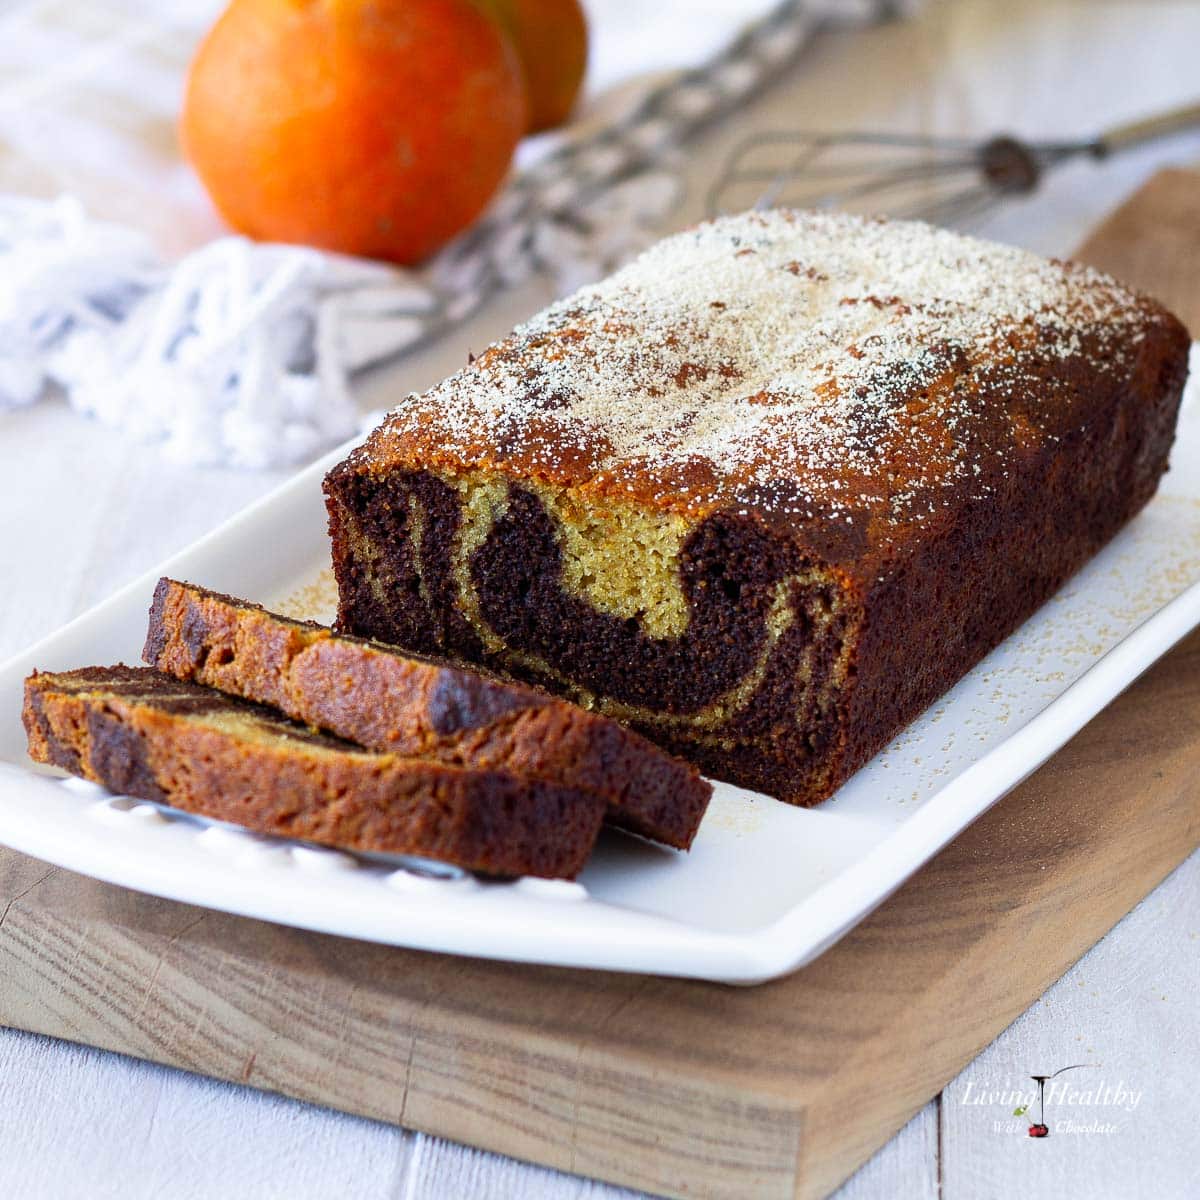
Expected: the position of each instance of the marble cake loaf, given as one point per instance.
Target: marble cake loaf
(768, 491)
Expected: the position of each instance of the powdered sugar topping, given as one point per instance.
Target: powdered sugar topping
(833, 352)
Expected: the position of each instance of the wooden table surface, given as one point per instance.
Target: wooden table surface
(81, 512)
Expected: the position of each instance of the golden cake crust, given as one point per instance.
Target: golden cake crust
(848, 380)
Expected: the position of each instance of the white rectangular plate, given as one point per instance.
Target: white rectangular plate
(765, 888)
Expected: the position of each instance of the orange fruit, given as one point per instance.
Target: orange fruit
(550, 37)
(374, 127)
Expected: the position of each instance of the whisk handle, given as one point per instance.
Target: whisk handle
(1135, 133)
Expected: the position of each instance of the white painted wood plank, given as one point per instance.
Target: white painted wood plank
(132, 1129)
(83, 511)
(1132, 1007)
(83, 1122)
(906, 1166)
(440, 1170)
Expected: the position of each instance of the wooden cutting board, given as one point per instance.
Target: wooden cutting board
(672, 1086)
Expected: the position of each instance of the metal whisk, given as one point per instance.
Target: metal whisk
(948, 181)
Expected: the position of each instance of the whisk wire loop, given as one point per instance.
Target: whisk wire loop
(946, 180)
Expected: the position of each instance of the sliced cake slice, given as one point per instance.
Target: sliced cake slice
(386, 700)
(145, 734)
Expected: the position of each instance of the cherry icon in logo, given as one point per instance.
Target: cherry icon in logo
(1039, 1130)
